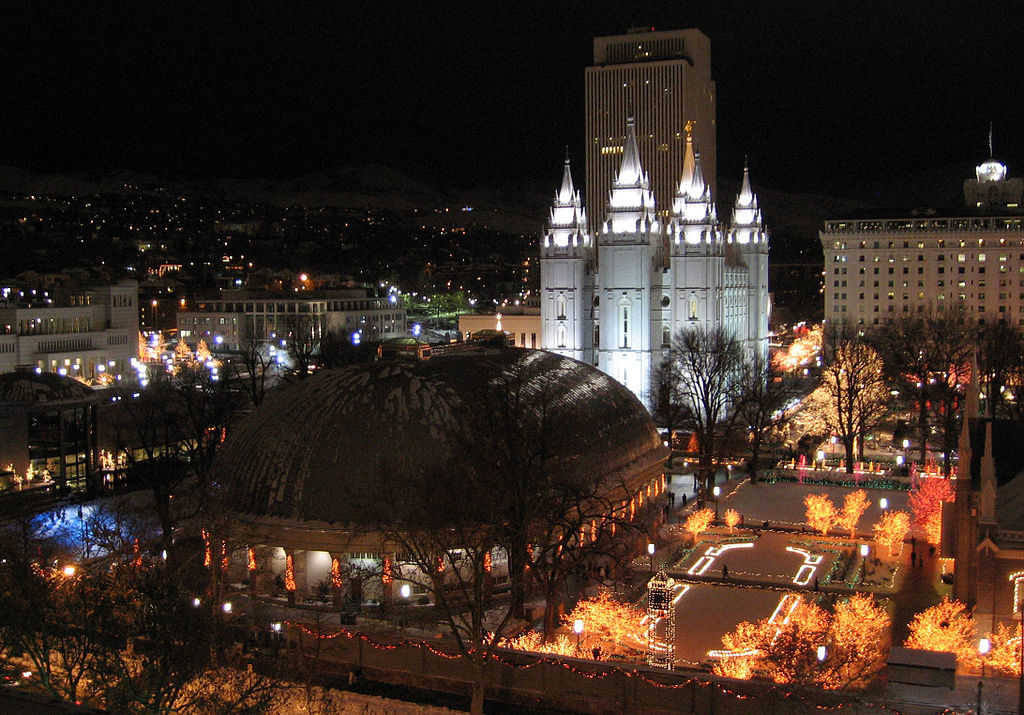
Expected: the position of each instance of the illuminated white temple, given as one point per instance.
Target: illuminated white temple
(615, 298)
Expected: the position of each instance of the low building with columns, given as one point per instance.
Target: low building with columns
(302, 477)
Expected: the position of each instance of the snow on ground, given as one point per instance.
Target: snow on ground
(782, 503)
(708, 611)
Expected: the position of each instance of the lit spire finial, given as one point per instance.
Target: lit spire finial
(689, 129)
(990, 140)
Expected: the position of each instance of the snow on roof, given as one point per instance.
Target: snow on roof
(309, 448)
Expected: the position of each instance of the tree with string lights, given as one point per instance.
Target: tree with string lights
(732, 519)
(854, 505)
(1005, 654)
(821, 513)
(926, 505)
(892, 529)
(855, 390)
(947, 627)
(808, 645)
(698, 522)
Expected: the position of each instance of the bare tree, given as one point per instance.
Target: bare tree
(170, 431)
(926, 355)
(443, 529)
(1000, 360)
(303, 343)
(764, 405)
(856, 392)
(706, 367)
(560, 515)
(254, 369)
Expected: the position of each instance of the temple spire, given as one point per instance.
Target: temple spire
(630, 172)
(567, 191)
(689, 163)
(746, 197)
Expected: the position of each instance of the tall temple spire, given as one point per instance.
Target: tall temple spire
(566, 192)
(630, 172)
(746, 197)
(567, 223)
(689, 163)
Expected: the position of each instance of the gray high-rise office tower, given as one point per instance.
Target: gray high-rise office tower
(662, 79)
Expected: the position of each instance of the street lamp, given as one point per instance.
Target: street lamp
(577, 628)
(822, 653)
(650, 555)
(716, 491)
(405, 591)
(883, 503)
(984, 646)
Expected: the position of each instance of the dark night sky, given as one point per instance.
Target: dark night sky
(824, 96)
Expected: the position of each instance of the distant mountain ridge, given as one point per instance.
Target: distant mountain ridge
(519, 209)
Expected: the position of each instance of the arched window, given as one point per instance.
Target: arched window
(560, 307)
(562, 336)
(624, 315)
(666, 336)
(693, 307)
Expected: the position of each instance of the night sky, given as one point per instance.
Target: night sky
(829, 97)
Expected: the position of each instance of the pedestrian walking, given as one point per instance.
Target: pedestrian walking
(913, 558)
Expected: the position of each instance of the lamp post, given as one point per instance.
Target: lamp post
(883, 503)
(716, 491)
(405, 591)
(577, 628)
(650, 556)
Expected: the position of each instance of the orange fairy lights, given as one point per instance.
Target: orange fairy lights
(892, 529)
(946, 627)
(289, 572)
(207, 555)
(926, 505)
(699, 521)
(821, 513)
(854, 506)
(732, 518)
(252, 559)
(336, 572)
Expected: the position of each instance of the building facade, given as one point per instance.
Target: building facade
(229, 321)
(92, 334)
(883, 267)
(614, 297)
(663, 80)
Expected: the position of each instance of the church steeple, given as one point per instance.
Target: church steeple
(567, 221)
(692, 208)
(746, 215)
(631, 202)
(565, 193)
(630, 171)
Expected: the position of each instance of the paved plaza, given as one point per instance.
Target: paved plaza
(727, 576)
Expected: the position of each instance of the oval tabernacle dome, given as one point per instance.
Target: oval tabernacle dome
(308, 448)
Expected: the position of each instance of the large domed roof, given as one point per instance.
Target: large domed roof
(304, 452)
(28, 387)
